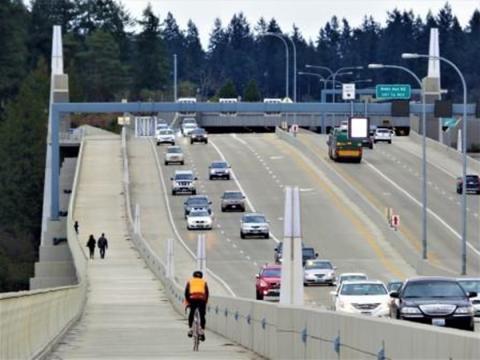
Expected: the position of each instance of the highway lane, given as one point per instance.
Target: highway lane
(392, 180)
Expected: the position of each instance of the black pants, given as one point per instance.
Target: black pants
(102, 252)
(201, 306)
(92, 252)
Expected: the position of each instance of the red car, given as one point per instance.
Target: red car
(268, 281)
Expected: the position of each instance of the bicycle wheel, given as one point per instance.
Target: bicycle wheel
(196, 330)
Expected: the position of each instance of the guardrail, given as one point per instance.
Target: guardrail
(32, 322)
(288, 332)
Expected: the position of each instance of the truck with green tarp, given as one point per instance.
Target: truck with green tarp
(340, 147)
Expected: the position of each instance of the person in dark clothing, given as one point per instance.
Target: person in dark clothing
(75, 226)
(91, 245)
(196, 297)
(102, 244)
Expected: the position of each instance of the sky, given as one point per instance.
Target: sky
(308, 15)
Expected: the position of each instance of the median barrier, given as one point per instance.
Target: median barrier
(290, 332)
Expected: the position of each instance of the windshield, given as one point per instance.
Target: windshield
(174, 150)
(190, 126)
(184, 177)
(353, 278)
(166, 132)
(199, 213)
(433, 289)
(363, 289)
(319, 265)
(472, 178)
(232, 195)
(308, 253)
(383, 131)
(200, 200)
(274, 272)
(470, 285)
(219, 165)
(189, 121)
(254, 219)
(394, 286)
(199, 131)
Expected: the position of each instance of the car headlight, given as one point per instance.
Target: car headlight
(410, 310)
(263, 284)
(467, 310)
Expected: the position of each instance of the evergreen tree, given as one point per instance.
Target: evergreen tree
(228, 90)
(251, 93)
(174, 41)
(193, 54)
(151, 64)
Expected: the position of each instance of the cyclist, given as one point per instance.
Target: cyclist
(196, 297)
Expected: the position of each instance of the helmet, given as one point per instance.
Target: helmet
(197, 274)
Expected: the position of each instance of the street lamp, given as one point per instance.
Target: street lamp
(328, 79)
(343, 69)
(424, 151)
(286, 56)
(464, 150)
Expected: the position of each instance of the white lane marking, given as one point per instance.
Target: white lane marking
(241, 252)
(247, 199)
(255, 263)
(476, 214)
(274, 176)
(172, 222)
(247, 257)
(276, 157)
(238, 139)
(234, 245)
(432, 213)
(228, 239)
(306, 189)
(222, 232)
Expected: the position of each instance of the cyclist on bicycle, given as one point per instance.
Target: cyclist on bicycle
(196, 297)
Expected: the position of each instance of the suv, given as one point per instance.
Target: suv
(473, 184)
(219, 169)
(254, 224)
(183, 182)
(435, 300)
(268, 281)
(197, 202)
(233, 200)
(188, 128)
(382, 134)
(279, 253)
(174, 154)
(165, 136)
(198, 135)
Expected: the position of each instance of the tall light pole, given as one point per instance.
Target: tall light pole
(464, 151)
(294, 68)
(175, 77)
(424, 151)
(278, 36)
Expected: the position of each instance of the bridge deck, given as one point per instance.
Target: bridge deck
(127, 313)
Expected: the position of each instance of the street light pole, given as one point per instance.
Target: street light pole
(342, 69)
(424, 151)
(464, 151)
(309, 66)
(175, 77)
(286, 56)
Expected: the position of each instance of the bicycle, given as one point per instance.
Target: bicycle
(196, 327)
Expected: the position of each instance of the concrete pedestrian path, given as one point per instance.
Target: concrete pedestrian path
(127, 315)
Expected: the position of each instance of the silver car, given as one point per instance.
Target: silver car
(233, 200)
(254, 224)
(174, 154)
(319, 272)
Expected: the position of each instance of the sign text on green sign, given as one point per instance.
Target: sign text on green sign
(393, 91)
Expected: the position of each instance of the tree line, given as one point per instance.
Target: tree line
(106, 60)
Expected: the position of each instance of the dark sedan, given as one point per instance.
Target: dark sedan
(473, 184)
(439, 301)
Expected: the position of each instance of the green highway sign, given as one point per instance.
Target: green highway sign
(393, 91)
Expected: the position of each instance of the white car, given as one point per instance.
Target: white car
(472, 285)
(382, 134)
(318, 272)
(188, 128)
(367, 297)
(165, 136)
(254, 224)
(174, 154)
(189, 120)
(199, 219)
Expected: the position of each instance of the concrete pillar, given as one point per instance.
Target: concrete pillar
(201, 254)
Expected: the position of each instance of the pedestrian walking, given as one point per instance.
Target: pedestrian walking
(91, 245)
(102, 245)
(75, 226)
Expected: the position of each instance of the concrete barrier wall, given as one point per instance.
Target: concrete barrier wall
(289, 332)
(31, 322)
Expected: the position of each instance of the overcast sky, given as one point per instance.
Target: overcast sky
(308, 15)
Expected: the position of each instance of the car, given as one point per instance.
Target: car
(254, 224)
(160, 126)
(165, 136)
(368, 142)
(351, 277)
(219, 169)
(189, 120)
(472, 285)
(366, 297)
(174, 154)
(308, 253)
(199, 219)
(382, 134)
(183, 182)
(435, 300)
(197, 202)
(394, 285)
(188, 128)
(473, 184)
(279, 252)
(232, 200)
(198, 135)
(318, 272)
(268, 282)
